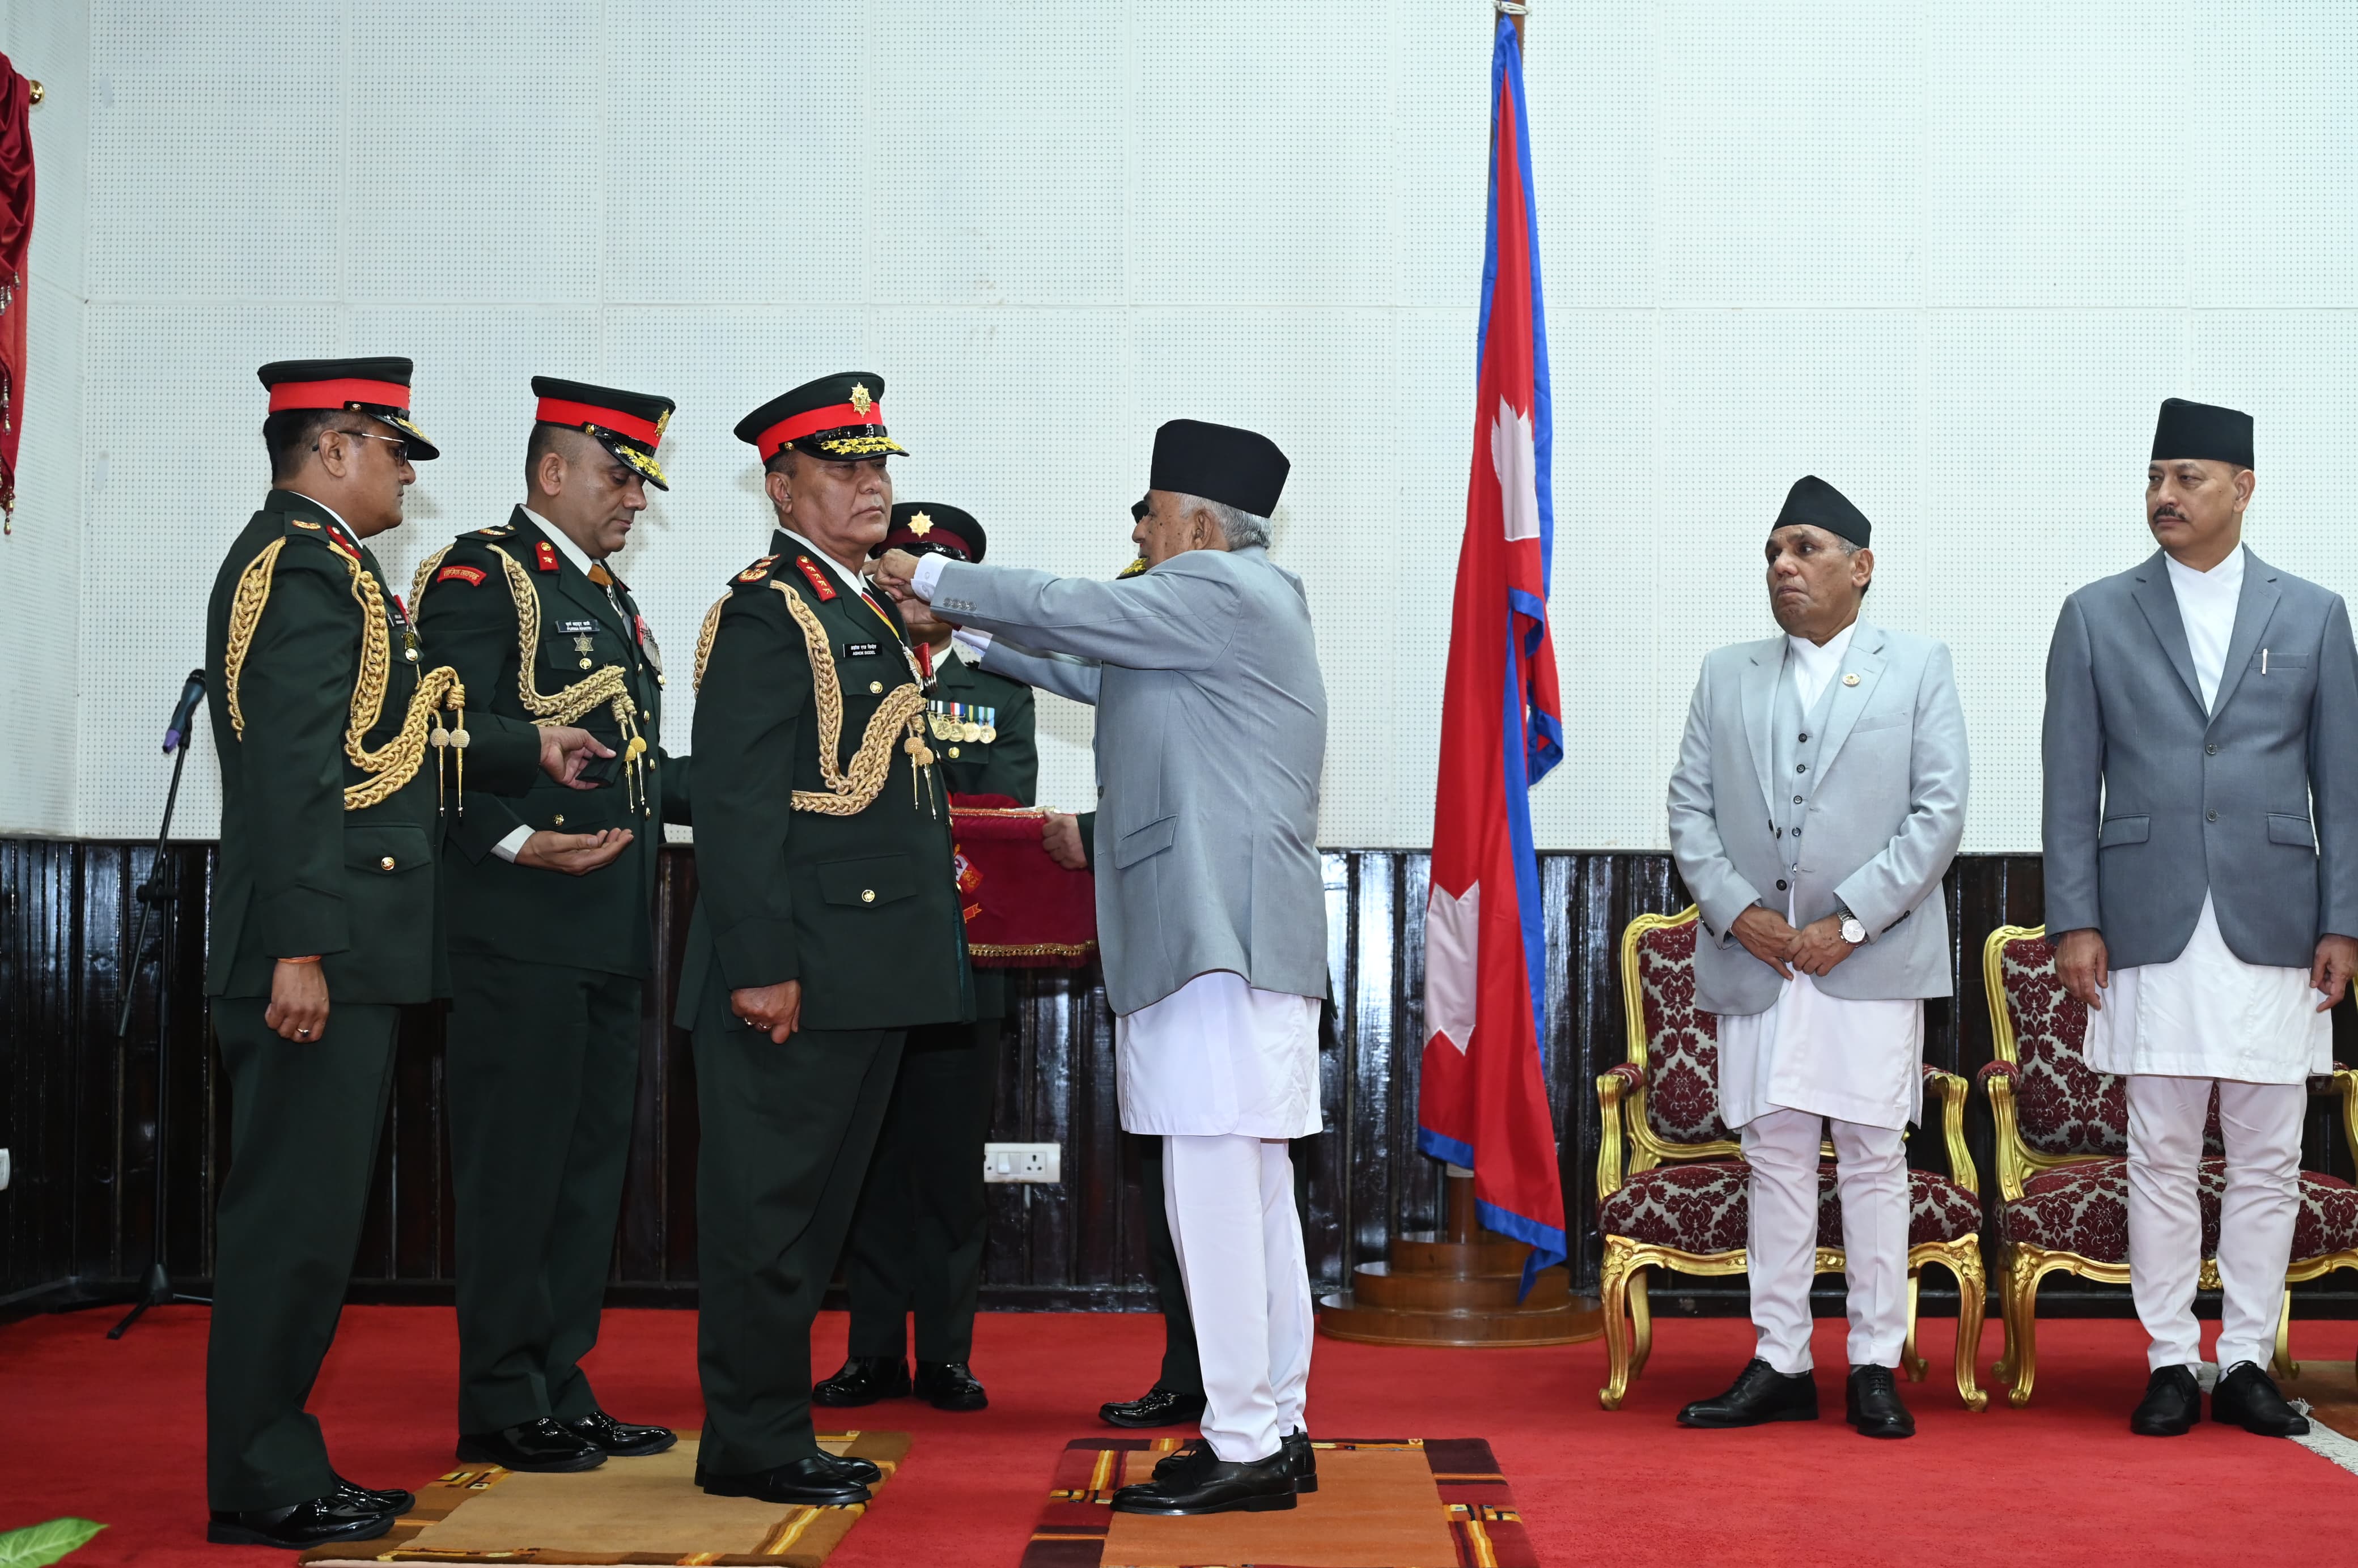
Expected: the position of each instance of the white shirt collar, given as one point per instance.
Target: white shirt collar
(562, 540)
(2225, 580)
(850, 579)
(1816, 656)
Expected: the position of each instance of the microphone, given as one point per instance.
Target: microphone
(176, 733)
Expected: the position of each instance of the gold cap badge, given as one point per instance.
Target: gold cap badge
(921, 524)
(861, 402)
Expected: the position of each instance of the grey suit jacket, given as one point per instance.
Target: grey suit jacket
(1884, 821)
(1210, 736)
(2150, 802)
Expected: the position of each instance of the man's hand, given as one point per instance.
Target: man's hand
(778, 1008)
(896, 572)
(573, 853)
(2085, 969)
(1767, 937)
(2330, 970)
(299, 1002)
(564, 751)
(1062, 836)
(1820, 947)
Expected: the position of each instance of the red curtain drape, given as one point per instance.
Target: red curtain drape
(15, 236)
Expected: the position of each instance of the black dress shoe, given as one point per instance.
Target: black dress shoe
(2249, 1398)
(863, 1381)
(1871, 1403)
(859, 1472)
(392, 1499)
(608, 1435)
(812, 1481)
(948, 1386)
(1304, 1460)
(1158, 1407)
(535, 1446)
(2172, 1404)
(1760, 1393)
(300, 1525)
(1206, 1484)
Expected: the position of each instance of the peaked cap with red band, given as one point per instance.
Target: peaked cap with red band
(838, 418)
(628, 424)
(930, 528)
(377, 387)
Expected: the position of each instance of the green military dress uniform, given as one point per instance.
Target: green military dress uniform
(548, 970)
(804, 685)
(917, 1237)
(333, 801)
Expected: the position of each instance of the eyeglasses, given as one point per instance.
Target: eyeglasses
(400, 446)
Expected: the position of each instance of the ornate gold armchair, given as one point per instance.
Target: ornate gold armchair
(1680, 1200)
(2062, 1146)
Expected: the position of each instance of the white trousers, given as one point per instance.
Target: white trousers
(1230, 1200)
(2260, 1124)
(1781, 1235)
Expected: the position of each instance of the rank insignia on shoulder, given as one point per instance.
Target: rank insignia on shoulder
(496, 531)
(473, 575)
(304, 523)
(758, 570)
(815, 577)
(543, 556)
(341, 548)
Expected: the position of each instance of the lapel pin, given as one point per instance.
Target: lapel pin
(1851, 679)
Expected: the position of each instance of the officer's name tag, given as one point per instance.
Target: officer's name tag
(862, 650)
(568, 628)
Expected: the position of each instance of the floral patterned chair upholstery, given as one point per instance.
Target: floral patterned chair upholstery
(2062, 1165)
(1681, 1202)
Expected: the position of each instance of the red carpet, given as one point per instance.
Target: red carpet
(115, 1432)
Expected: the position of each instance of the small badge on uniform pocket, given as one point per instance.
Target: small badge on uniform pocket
(570, 628)
(862, 650)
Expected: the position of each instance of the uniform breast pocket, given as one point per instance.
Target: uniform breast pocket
(573, 653)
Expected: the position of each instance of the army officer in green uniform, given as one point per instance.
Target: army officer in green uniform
(827, 925)
(551, 901)
(344, 752)
(916, 1237)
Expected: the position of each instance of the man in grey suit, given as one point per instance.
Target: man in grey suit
(1819, 797)
(2202, 858)
(1211, 730)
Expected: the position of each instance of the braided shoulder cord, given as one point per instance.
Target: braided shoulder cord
(244, 615)
(396, 763)
(848, 792)
(426, 575)
(710, 629)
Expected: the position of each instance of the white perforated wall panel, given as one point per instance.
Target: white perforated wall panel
(1949, 259)
(41, 558)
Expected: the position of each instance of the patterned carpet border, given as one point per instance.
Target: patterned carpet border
(1484, 1522)
(802, 1537)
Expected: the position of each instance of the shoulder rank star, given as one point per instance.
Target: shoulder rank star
(758, 570)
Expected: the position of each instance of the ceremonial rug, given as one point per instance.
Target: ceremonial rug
(627, 1510)
(1380, 1503)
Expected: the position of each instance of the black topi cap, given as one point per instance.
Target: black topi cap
(838, 418)
(1219, 462)
(929, 528)
(377, 387)
(628, 424)
(2202, 431)
(1814, 501)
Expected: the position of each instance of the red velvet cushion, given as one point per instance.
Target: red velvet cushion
(2083, 1208)
(1702, 1206)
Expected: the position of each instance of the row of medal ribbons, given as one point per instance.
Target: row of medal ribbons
(962, 721)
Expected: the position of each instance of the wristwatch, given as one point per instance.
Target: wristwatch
(1854, 930)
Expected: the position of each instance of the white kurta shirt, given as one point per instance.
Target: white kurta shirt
(1218, 1057)
(2206, 1013)
(1855, 1060)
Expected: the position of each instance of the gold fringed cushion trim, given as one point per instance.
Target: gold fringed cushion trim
(245, 616)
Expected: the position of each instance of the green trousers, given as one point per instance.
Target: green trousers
(304, 1123)
(786, 1138)
(917, 1235)
(1183, 1367)
(544, 1067)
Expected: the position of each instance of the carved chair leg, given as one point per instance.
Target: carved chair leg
(1972, 1294)
(2026, 1272)
(1642, 1318)
(1910, 1362)
(1613, 1286)
(2003, 1371)
(2286, 1366)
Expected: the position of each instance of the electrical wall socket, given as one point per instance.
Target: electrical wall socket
(1023, 1162)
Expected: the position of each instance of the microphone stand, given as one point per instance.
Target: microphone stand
(156, 1285)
